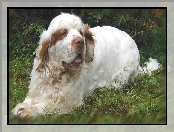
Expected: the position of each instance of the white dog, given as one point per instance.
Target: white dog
(72, 60)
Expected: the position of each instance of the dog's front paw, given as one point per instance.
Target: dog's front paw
(24, 111)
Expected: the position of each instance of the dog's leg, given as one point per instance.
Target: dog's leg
(27, 109)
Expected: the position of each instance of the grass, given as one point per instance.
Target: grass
(144, 102)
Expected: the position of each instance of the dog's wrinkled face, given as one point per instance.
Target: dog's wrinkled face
(63, 42)
(68, 48)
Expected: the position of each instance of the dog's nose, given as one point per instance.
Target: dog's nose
(79, 41)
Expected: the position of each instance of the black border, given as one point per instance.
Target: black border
(8, 8)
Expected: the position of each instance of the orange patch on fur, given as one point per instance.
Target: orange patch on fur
(88, 35)
(89, 56)
(58, 35)
(43, 53)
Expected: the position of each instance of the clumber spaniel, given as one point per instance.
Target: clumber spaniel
(72, 60)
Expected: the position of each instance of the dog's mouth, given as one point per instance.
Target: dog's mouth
(74, 64)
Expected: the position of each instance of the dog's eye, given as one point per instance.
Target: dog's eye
(64, 33)
(81, 33)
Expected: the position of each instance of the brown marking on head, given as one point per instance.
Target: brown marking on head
(89, 56)
(88, 35)
(58, 35)
(43, 51)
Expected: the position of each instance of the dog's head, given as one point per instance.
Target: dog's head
(68, 42)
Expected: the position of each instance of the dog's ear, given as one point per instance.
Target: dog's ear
(89, 40)
(42, 51)
(42, 54)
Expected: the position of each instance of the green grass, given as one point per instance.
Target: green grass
(144, 102)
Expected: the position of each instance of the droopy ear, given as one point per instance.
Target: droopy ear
(42, 51)
(89, 56)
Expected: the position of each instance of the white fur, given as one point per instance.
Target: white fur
(115, 63)
(151, 65)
